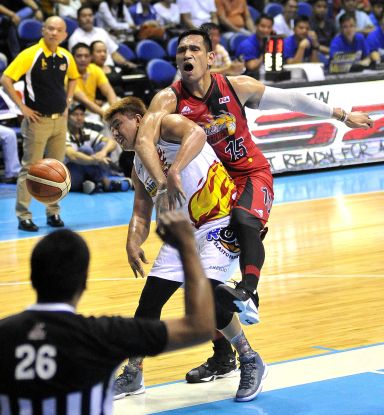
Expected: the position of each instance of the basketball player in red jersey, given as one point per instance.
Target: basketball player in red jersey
(217, 104)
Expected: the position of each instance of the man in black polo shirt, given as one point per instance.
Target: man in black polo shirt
(54, 361)
(43, 67)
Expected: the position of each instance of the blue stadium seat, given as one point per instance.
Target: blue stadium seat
(304, 9)
(254, 13)
(172, 47)
(160, 73)
(235, 41)
(29, 31)
(72, 25)
(273, 9)
(127, 52)
(149, 49)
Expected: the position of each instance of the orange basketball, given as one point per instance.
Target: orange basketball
(48, 180)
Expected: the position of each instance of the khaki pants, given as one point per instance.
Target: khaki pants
(43, 139)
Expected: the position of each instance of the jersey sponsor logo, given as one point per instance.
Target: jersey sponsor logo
(185, 110)
(224, 100)
(219, 127)
(226, 238)
(215, 197)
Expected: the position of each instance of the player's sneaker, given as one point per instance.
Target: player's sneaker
(214, 368)
(239, 300)
(253, 371)
(129, 382)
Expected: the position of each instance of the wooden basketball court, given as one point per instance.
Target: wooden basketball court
(321, 288)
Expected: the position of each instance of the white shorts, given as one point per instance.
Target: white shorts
(217, 248)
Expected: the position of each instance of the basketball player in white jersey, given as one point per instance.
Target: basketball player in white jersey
(209, 195)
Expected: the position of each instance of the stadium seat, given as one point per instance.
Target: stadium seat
(235, 41)
(254, 13)
(29, 31)
(273, 9)
(127, 52)
(304, 9)
(160, 73)
(172, 47)
(72, 25)
(147, 50)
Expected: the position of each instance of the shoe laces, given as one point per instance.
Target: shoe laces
(127, 375)
(246, 372)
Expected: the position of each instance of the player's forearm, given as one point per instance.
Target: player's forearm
(191, 145)
(138, 231)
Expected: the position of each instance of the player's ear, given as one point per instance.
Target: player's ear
(210, 58)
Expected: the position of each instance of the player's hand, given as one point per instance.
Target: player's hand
(358, 119)
(136, 257)
(175, 190)
(175, 229)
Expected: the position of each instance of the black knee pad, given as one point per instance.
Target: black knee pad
(241, 218)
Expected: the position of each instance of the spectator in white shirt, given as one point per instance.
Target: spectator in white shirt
(283, 23)
(168, 13)
(88, 33)
(115, 18)
(194, 13)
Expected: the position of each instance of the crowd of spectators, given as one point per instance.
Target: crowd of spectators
(101, 32)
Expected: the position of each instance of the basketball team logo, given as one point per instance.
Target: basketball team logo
(215, 197)
(219, 127)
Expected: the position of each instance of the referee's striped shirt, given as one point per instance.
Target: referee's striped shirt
(56, 362)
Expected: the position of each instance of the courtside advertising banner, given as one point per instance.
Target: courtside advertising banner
(294, 141)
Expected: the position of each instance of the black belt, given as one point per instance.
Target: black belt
(54, 116)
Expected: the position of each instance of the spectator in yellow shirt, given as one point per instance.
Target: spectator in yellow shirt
(92, 78)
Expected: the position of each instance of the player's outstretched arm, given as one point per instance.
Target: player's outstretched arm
(254, 94)
(139, 227)
(198, 324)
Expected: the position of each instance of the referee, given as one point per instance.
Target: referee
(43, 67)
(54, 361)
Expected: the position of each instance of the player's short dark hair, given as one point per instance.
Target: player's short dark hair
(59, 266)
(197, 32)
(345, 17)
(78, 46)
(128, 105)
(264, 16)
(300, 19)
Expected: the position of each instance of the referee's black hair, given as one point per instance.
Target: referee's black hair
(197, 32)
(59, 266)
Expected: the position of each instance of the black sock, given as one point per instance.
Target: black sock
(222, 347)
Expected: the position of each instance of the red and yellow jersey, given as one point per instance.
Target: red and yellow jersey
(209, 190)
(222, 116)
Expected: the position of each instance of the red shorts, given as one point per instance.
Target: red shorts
(255, 194)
